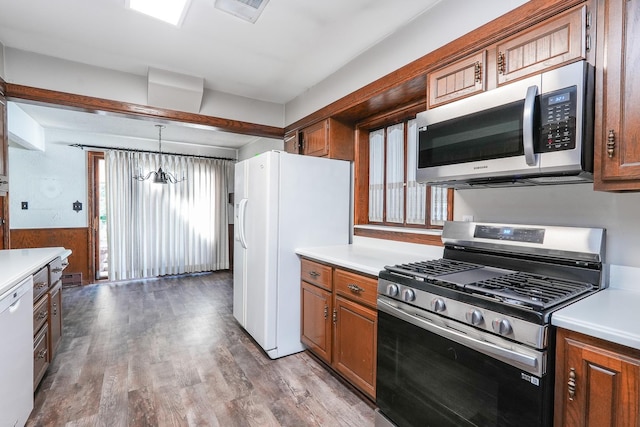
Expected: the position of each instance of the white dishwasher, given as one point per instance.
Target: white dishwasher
(16, 354)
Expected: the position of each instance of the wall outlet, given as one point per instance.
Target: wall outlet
(25, 205)
(467, 218)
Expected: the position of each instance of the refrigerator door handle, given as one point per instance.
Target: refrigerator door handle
(241, 226)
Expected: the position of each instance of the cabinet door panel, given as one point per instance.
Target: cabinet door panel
(55, 319)
(618, 128)
(315, 141)
(316, 320)
(463, 78)
(595, 386)
(291, 143)
(555, 42)
(355, 344)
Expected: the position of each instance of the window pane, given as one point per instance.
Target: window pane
(395, 173)
(376, 175)
(438, 212)
(416, 193)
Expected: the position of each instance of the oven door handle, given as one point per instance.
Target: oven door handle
(514, 358)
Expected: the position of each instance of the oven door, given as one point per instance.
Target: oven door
(427, 379)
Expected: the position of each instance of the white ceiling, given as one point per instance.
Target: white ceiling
(294, 44)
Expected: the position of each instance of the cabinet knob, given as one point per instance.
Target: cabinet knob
(501, 64)
(478, 72)
(611, 143)
(571, 384)
(42, 354)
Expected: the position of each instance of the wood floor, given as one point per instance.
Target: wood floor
(168, 352)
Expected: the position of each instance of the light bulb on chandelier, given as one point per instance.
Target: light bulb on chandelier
(160, 176)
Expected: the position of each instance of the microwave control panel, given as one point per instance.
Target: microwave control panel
(558, 120)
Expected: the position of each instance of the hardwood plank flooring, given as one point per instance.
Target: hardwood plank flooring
(168, 352)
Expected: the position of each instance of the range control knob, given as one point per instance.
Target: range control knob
(392, 290)
(502, 326)
(438, 305)
(474, 317)
(408, 295)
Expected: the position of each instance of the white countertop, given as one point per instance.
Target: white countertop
(369, 256)
(612, 314)
(16, 264)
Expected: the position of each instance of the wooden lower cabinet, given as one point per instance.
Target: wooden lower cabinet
(597, 382)
(339, 322)
(355, 344)
(316, 320)
(55, 318)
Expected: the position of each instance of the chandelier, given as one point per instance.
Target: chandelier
(159, 176)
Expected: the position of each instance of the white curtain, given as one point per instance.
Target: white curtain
(416, 192)
(395, 173)
(438, 205)
(158, 229)
(376, 175)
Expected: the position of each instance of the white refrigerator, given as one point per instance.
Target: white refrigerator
(282, 202)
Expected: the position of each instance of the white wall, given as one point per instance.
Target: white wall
(571, 205)
(26, 68)
(446, 21)
(260, 146)
(50, 182)
(2, 61)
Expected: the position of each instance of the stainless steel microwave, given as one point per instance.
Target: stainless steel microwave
(538, 130)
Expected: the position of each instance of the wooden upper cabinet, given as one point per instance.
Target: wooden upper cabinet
(458, 80)
(291, 143)
(556, 41)
(597, 383)
(328, 138)
(617, 120)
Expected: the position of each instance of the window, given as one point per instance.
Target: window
(395, 198)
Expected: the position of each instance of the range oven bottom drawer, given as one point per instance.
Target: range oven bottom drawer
(425, 380)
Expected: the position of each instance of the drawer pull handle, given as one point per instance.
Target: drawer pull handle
(41, 285)
(56, 269)
(611, 143)
(42, 315)
(572, 383)
(355, 288)
(42, 354)
(314, 274)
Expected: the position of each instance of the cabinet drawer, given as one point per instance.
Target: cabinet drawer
(316, 273)
(55, 270)
(356, 287)
(40, 283)
(40, 356)
(40, 313)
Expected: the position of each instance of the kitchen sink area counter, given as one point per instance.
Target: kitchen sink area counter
(16, 264)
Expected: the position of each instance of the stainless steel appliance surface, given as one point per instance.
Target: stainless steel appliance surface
(467, 340)
(535, 131)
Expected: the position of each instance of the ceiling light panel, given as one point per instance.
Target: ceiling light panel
(249, 10)
(171, 11)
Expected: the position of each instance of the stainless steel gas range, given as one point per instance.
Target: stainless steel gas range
(467, 340)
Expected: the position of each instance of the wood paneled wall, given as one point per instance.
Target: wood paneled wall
(75, 239)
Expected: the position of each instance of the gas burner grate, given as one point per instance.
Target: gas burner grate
(531, 290)
(426, 270)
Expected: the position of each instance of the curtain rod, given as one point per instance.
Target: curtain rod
(133, 150)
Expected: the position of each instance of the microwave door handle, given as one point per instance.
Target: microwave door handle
(527, 125)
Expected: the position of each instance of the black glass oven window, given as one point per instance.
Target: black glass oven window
(488, 134)
(427, 380)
